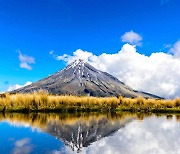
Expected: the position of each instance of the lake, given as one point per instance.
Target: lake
(91, 133)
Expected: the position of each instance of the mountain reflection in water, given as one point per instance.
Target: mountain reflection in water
(77, 131)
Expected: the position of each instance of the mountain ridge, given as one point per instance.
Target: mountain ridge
(80, 78)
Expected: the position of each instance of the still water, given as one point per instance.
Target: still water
(125, 133)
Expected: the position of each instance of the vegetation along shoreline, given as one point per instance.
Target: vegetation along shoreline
(44, 102)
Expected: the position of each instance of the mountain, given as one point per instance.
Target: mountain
(80, 78)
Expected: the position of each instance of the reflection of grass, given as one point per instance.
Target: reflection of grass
(44, 102)
(41, 120)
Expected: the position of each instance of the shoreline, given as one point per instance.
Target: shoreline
(130, 110)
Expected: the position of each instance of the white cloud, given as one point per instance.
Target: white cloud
(17, 86)
(132, 38)
(25, 61)
(158, 73)
(85, 55)
(176, 49)
(167, 46)
(51, 52)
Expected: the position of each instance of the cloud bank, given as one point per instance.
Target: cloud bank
(132, 38)
(158, 73)
(25, 61)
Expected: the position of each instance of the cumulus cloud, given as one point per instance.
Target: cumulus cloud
(78, 54)
(158, 73)
(17, 86)
(25, 61)
(132, 38)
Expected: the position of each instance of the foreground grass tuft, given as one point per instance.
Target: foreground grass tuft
(40, 101)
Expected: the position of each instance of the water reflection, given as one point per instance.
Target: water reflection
(90, 133)
(80, 133)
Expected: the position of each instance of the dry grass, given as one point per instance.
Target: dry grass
(41, 101)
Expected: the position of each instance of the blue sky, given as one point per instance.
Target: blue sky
(34, 28)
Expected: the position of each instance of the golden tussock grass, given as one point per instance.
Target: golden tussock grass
(41, 101)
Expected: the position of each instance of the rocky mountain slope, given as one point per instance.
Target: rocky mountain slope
(80, 78)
